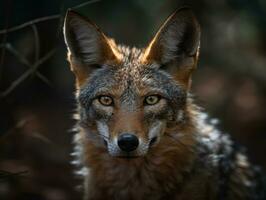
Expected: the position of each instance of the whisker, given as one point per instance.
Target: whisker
(97, 133)
(104, 136)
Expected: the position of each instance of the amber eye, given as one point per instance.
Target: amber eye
(105, 100)
(152, 99)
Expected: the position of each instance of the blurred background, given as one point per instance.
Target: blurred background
(37, 87)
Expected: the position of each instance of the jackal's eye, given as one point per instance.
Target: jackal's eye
(105, 100)
(152, 99)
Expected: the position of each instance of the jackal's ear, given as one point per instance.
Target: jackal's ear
(176, 45)
(88, 47)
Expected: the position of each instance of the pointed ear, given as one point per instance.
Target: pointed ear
(88, 47)
(176, 45)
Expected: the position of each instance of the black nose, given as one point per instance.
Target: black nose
(128, 142)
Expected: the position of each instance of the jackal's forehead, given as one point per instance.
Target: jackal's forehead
(131, 66)
(130, 79)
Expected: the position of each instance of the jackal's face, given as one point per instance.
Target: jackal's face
(129, 98)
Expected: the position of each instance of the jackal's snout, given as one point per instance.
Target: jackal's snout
(130, 143)
(127, 135)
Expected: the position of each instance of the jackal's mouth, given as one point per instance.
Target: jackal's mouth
(105, 142)
(153, 141)
(128, 156)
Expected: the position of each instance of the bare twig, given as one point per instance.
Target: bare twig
(29, 23)
(24, 61)
(18, 125)
(44, 79)
(3, 53)
(6, 175)
(85, 3)
(2, 57)
(12, 50)
(36, 42)
(27, 73)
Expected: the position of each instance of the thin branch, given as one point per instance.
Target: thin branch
(85, 3)
(6, 175)
(36, 42)
(27, 73)
(24, 61)
(2, 57)
(29, 23)
(18, 125)
(42, 19)
(44, 79)
(12, 50)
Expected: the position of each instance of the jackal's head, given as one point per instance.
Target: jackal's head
(130, 98)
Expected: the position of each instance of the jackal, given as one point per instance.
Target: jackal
(139, 133)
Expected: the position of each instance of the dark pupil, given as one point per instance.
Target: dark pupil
(106, 100)
(151, 100)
